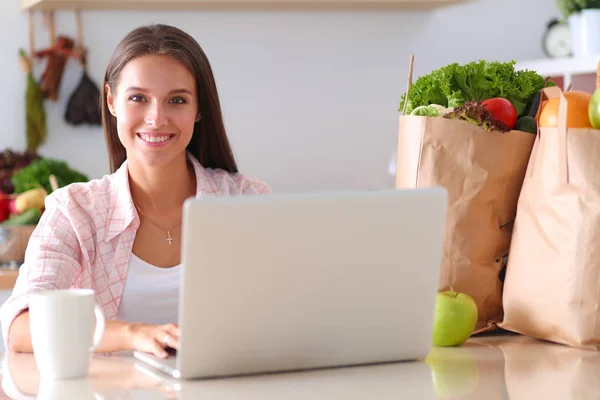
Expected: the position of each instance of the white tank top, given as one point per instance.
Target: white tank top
(151, 294)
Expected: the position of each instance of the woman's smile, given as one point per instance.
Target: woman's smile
(155, 139)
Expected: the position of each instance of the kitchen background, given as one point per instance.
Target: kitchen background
(310, 98)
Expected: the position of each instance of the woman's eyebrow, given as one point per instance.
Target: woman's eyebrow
(135, 89)
(174, 91)
(180, 91)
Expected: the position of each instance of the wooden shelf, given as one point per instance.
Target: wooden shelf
(561, 66)
(234, 4)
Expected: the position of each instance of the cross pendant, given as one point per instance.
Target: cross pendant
(169, 238)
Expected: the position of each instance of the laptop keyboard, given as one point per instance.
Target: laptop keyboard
(171, 352)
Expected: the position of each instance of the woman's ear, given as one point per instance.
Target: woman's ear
(198, 117)
(110, 99)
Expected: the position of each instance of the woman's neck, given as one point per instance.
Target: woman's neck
(161, 189)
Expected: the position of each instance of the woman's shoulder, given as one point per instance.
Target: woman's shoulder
(88, 205)
(95, 209)
(234, 183)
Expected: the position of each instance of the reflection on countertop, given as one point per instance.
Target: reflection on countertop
(488, 367)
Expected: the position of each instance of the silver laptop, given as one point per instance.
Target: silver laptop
(288, 282)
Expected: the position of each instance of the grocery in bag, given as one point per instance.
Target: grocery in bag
(459, 129)
(552, 287)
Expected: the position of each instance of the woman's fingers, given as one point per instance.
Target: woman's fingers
(173, 339)
(173, 329)
(167, 339)
(154, 339)
(157, 348)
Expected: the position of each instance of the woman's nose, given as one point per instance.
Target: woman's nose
(156, 116)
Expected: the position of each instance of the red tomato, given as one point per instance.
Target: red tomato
(502, 110)
(4, 213)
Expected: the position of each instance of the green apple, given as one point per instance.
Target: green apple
(454, 372)
(455, 318)
(594, 110)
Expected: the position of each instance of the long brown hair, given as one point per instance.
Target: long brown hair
(209, 143)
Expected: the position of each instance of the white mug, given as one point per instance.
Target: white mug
(62, 331)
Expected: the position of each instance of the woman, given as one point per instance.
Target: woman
(121, 235)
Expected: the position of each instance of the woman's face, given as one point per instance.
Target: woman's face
(156, 106)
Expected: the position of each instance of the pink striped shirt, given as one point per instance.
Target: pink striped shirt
(85, 237)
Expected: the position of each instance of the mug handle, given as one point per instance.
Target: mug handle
(100, 324)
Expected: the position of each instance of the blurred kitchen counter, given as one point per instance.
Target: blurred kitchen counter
(8, 277)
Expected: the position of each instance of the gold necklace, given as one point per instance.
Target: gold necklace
(169, 237)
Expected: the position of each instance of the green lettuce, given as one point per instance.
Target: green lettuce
(454, 85)
(38, 174)
(425, 111)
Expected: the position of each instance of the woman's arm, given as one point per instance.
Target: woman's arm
(20, 335)
(118, 336)
(53, 259)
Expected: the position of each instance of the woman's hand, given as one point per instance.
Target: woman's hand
(118, 336)
(154, 339)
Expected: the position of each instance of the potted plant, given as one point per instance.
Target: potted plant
(583, 17)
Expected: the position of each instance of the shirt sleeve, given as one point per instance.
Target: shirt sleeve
(252, 186)
(52, 260)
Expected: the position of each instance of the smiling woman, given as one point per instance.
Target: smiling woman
(150, 114)
(121, 235)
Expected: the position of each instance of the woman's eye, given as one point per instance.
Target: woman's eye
(136, 98)
(178, 100)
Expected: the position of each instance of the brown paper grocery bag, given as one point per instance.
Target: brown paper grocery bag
(483, 172)
(552, 287)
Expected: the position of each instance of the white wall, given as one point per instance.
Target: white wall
(310, 99)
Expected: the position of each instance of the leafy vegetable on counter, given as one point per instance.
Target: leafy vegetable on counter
(454, 85)
(38, 174)
(10, 162)
(476, 113)
(29, 217)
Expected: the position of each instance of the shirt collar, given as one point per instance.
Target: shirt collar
(122, 211)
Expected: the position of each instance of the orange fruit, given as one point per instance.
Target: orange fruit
(577, 110)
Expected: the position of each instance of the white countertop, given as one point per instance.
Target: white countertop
(490, 367)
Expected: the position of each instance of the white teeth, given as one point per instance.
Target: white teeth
(154, 139)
